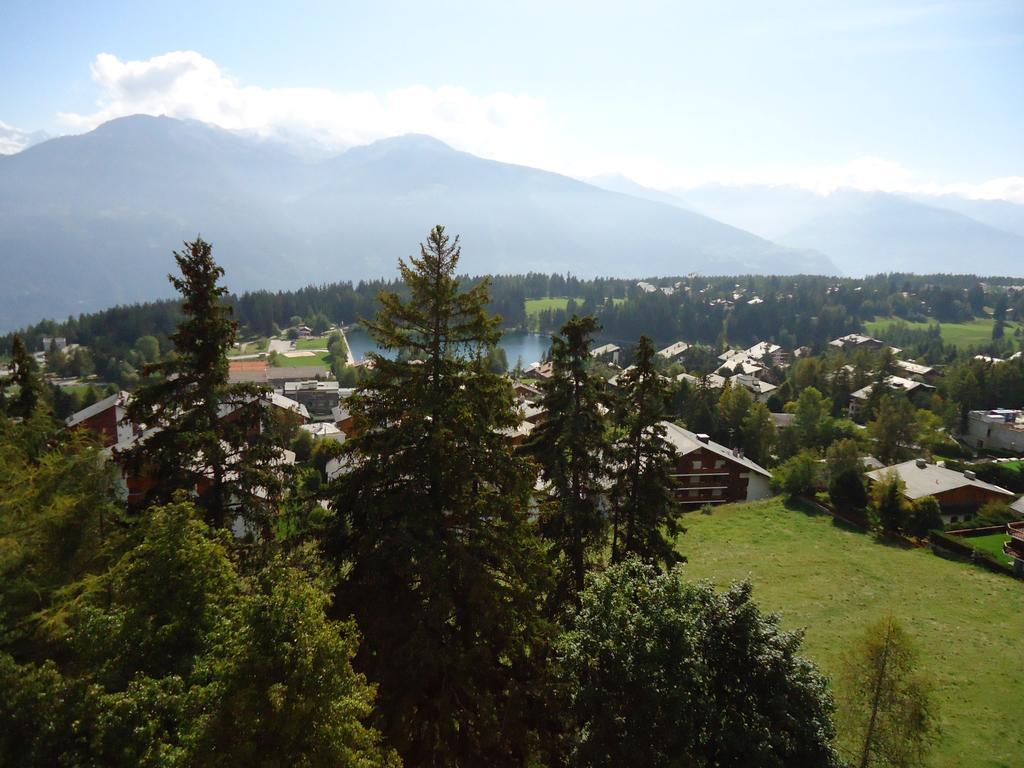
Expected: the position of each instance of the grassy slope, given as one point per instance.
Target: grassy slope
(832, 582)
(993, 543)
(535, 306)
(962, 335)
(318, 342)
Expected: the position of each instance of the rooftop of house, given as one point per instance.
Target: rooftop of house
(925, 479)
(915, 368)
(323, 429)
(673, 350)
(755, 385)
(713, 379)
(117, 399)
(894, 382)
(685, 441)
(312, 385)
(1013, 419)
(605, 349)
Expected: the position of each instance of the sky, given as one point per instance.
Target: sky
(903, 96)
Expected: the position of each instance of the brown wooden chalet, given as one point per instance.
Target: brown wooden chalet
(709, 473)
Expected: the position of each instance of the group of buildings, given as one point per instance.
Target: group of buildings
(706, 472)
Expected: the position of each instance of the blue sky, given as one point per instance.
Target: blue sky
(924, 95)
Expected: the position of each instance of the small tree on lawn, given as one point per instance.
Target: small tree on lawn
(887, 710)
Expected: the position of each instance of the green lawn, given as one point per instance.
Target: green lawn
(962, 335)
(832, 582)
(536, 306)
(319, 342)
(318, 359)
(992, 543)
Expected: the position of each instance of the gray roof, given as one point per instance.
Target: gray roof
(119, 398)
(931, 479)
(686, 442)
(1018, 506)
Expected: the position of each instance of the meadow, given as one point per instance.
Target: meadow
(831, 581)
(974, 333)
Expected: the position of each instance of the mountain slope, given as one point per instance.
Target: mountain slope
(617, 182)
(89, 221)
(868, 232)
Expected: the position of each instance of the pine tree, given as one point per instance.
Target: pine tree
(25, 376)
(644, 508)
(432, 526)
(571, 447)
(202, 432)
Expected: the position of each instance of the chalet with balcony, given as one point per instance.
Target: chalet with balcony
(960, 494)
(709, 473)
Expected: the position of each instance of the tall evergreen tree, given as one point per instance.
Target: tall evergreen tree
(200, 430)
(433, 529)
(644, 508)
(25, 376)
(571, 447)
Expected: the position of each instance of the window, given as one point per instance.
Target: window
(716, 492)
(697, 464)
(694, 479)
(693, 493)
(719, 463)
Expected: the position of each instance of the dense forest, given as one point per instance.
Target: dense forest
(791, 311)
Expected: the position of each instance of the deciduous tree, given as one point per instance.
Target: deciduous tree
(887, 709)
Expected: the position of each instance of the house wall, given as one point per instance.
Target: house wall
(704, 477)
(758, 487)
(104, 424)
(986, 434)
(964, 502)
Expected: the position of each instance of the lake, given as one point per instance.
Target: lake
(531, 347)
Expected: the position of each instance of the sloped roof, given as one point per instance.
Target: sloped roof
(931, 479)
(672, 350)
(686, 442)
(119, 398)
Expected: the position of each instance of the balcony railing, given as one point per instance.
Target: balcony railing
(1016, 530)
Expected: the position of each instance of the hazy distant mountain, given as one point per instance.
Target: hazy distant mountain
(756, 208)
(1000, 214)
(868, 232)
(617, 182)
(14, 140)
(89, 221)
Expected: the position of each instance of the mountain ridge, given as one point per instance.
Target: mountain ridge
(107, 207)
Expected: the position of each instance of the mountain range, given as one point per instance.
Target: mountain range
(89, 221)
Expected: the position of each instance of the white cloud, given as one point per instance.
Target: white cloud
(185, 84)
(873, 174)
(14, 139)
(504, 126)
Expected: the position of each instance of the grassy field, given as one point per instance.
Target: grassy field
(536, 306)
(992, 543)
(319, 358)
(319, 342)
(832, 582)
(962, 335)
